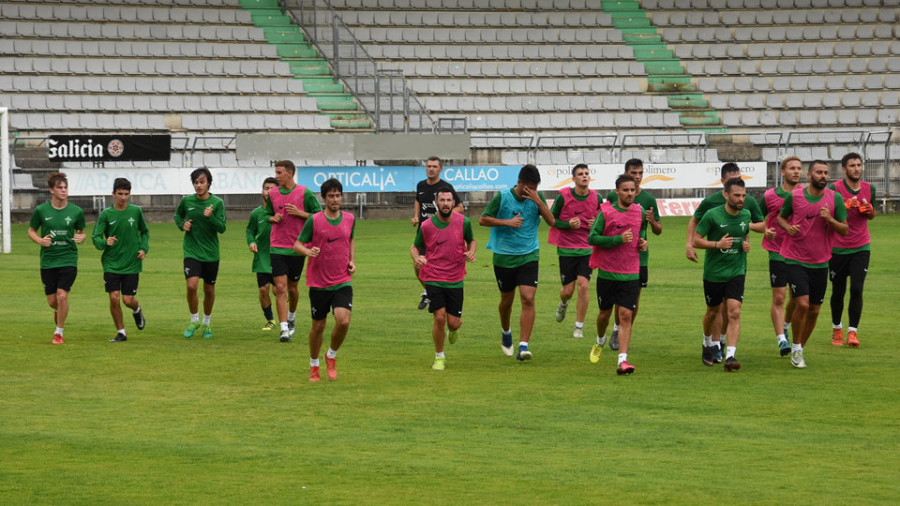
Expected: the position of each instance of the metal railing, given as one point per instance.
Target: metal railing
(382, 93)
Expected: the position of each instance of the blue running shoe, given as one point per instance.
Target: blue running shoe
(523, 354)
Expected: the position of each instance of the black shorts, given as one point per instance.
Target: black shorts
(449, 299)
(508, 278)
(287, 265)
(263, 279)
(716, 292)
(644, 276)
(58, 278)
(321, 302)
(618, 293)
(194, 268)
(570, 268)
(805, 281)
(854, 265)
(125, 283)
(778, 273)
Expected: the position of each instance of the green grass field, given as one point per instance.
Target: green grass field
(233, 420)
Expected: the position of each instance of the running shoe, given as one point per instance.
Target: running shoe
(423, 303)
(285, 336)
(614, 339)
(837, 337)
(852, 339)
(291, 327)
(578, 333)
(314, 373)
(718, 354)
(784, 347)
(707, 356)
(453, 336)
(120, 338)
(731, 364)
(270, 325)
(331, 368)
(506, 344)
(139, 319)
(624, 368)
(58, 339)
(190, 329)
(438, 364)
(207, 331)
(596, 352)
(797, 359)
(523, 354)
(561, 311)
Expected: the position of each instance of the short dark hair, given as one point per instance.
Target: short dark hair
(850, 156)
(623, 178)
(330, 186)
(201, 171)
(288, 165)
(120, 183)
(730, 168)
(818, 162)
(435, 159)
(579, 166)
(269, 180)
(56, 178)
(634, 162)
(444, 188)
(734, 182)
(530, 174)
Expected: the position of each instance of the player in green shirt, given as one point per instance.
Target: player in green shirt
(258, 229)
(635, 169)
(724, 269)
(122, 235)
(202, 217)
(58, 226)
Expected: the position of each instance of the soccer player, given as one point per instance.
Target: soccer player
(327, 239)
(729, 171)
(574, 211)
(726, 243)
(514, 216)
(811, 217)
(635, 169)
(771, 203)
(448, 243)
(424, 206)
(616, 237)
(850, 253)
(58, 226)
(258, 229)
(202, 218)
(291, 205)
(122, 235)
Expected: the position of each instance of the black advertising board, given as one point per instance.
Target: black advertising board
(109, 148)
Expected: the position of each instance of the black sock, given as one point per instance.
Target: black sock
(267, 311)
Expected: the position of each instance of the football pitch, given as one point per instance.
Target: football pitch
(161, 419)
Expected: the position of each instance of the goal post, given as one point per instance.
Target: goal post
(5, 183)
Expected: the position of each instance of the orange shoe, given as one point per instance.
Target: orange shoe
(314, 374)
(837, 337)
(852, 340)
(331, 368)
(58, 339)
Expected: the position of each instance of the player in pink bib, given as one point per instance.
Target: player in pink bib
(327, 239)
(448, 243)
(811, 216)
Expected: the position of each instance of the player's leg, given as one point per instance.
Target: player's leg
(424, 300)
(627, 293)
(506, 282)
(129, 288)
(115, 309)
(838, 271)
(437, 330)
(583, 285)
(316, 330)
(264, 285)
(526, 281)
(193, 300)
(567, 275)
(859, 266)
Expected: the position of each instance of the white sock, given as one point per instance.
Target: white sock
(439, 355)
(59, 330)
(601, 340)
(292, 316)
(787, 325)
(206, 319)
(523, 343)
(195, 317)
(314, 362)
(564, 304)
(729, 351)
(796, 347)
(622, 357)
(851, 329)
(722, 337)
(121, 331)
(838, 326)
(507, 331)
(781, 338)
(284, 326)
(707, 340)
(615, 326)
(579, 325)
(331, 353)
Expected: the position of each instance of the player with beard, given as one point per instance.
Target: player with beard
(811, 216)
(448, 243)
(725, 229)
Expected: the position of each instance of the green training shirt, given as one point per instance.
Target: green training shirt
(258, 229)
(558, 204)
(60, 225)
(721, 264)
(202, 241)
(131, 233)
(419, 242)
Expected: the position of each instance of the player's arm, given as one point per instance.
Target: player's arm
(144, 231)
(351, 263)
(489, 217)
(43, 241)
(543, 209)
(310, 205)
(98, 237)
(558, 203)
(653, 219)
(867, 209)
(757, 218)
(596, 237)
(416, 210)
(689, 252)
(416, 247)
(469, 237)
(306, 236)
(787, 210)
(839, 221)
